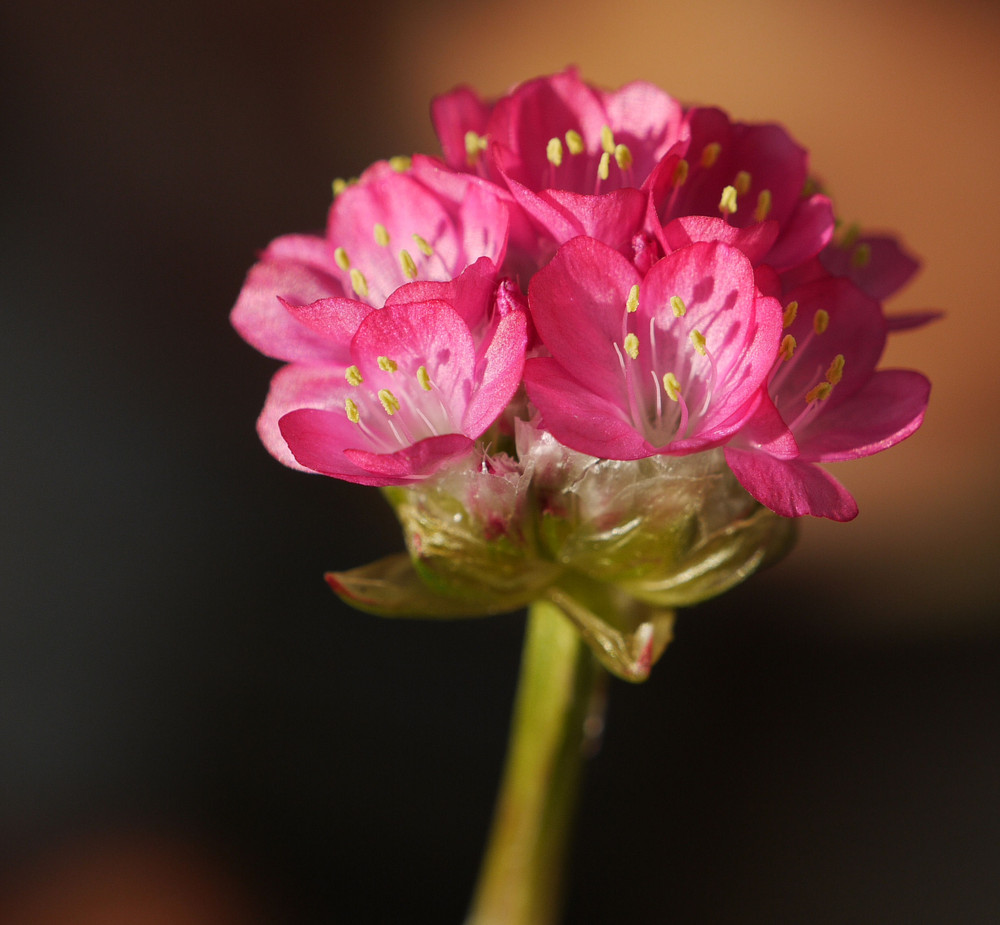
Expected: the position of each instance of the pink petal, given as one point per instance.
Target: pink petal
(578, 417)
(806, 232)
(883, 270)
(414, 462)
(498, 375)
(453, 115)
(754, 241)
(791, 487)
(885, 411)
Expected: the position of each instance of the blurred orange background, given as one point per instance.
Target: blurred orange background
(182, 702)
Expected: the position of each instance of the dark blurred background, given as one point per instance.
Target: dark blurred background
(193, 729)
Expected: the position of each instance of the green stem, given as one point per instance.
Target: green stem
(521, 877)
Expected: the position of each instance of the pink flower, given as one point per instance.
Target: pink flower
(574, 158)
(417, 394)
(390, 228)
(672, 362)
(828, 393)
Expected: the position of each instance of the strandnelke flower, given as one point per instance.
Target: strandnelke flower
(594, 357)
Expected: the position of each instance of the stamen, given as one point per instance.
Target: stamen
(632, 302)
(387, 365)
(850, 236)
(835, 372)
(787, 349)
(632, 346)
(763, 205)
(861, 256)
(821, 321)
(341, 259)
(604, 167)
(408, 264)
(791, 310)
(623, 157)
(810, 187)
(698, 341)
(727, 204)
(400, 163)
(574, 142)
(607, 139)
(358, 283)
(353, 415)
(742, 183)
(389, 401)
(474, 146)
(424, 247)
(681, 173)
(820, 393)
(353, 375)
(710, 154)
(671, 386)
(339, 185)
(554, 152)
(424, 378)
(677, 306)
(381, 234)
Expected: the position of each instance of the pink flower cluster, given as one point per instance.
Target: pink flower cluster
(633, 277)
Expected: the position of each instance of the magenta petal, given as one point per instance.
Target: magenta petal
(612, 218)
(454, 114)
(791, 487)
(806, 232)
(766, 431)
(335, 319)
(415, 462)
(885, 411)
(578, 418)
(910, 321)
(498, 375)
(754, 241)
(876, 263)
(577, 304)
(294, 387)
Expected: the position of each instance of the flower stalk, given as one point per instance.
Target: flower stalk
(557, 702)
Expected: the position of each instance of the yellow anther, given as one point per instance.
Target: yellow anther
(810, 187)
(389, 401)
(820, 393)
(727, 204)
(358, 283)
(632, 302)
(408, 264)
(677, 306)
(710, 154)
(353, 375)
(742, 182)
(623, 157)
(353, 415)
(791, 310)
(604, 167)
(574, 142)
(787, 348)
(632, 346)
(400, 163)
(607, 139)
(698, 340)
(671, 386)
(763, 209)
(681, 173)
(424, 378)
(821, 321)
(387, 365)
(861, 256)
(339, 185)
(475, 144)
(341, 259)
(850, 236)
(554, 151)
(835, 372)
(423, 246)
(381, 234)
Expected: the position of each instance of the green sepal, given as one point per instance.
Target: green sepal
(392, 587)
(627, 636)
